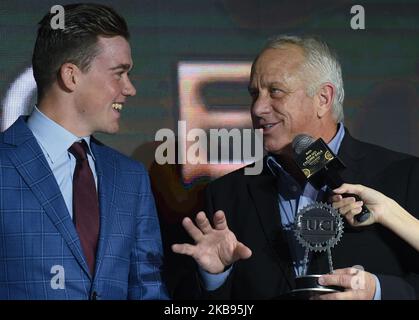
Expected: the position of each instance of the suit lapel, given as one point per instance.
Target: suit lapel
(31, 164)
(351, 155)
(106, 173)
(264, 192)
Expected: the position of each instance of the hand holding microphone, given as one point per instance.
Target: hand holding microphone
(385, 211)
(378, 203)
(321, 166)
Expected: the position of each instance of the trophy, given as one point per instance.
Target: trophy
(318, 227)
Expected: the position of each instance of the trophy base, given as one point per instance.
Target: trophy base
(308, 286)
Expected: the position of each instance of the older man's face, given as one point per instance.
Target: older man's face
(280, 105)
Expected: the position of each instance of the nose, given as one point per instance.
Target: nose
(129, 89)
(260, 106)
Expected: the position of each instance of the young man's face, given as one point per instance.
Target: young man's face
(103, 89)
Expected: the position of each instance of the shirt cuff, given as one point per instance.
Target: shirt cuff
(214, 281)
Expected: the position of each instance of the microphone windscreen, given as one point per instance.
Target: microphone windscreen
(301, 142)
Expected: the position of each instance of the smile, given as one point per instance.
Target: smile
(117, 106)
(268, 127)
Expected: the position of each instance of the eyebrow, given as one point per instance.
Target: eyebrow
(276, 83)
(269, 84)
(123, 66)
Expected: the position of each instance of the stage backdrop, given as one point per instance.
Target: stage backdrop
(192, 61)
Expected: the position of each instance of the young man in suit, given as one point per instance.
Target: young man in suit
(77, 218)
(250, 251)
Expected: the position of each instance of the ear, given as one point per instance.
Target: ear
(68, 76)
(325, 97)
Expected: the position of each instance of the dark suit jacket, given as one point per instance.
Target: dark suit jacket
(251, 206)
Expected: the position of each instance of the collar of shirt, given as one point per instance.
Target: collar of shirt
(289, 187)
(53, 138)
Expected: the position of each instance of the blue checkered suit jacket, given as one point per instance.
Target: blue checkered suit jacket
(40, 252)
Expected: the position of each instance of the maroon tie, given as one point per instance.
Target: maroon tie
(85, 203)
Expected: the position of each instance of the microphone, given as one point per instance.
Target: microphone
(321, 166)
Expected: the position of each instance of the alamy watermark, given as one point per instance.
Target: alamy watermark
(58, 278)
(358, 20)
(58, 20)
(358, 279)
(216, 146)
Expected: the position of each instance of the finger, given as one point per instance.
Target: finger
(220, 222)
(242, 252)
(192, 230)
(336, 198)
(342, 189)
(203, 222)
(351, 207)
(185, 248)
(340, 280)
(345, 295)
(349, 188)
(351, 215)
(347, 271)
(344, 202)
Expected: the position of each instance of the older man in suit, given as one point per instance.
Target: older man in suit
(250, 251)
(77, 218)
